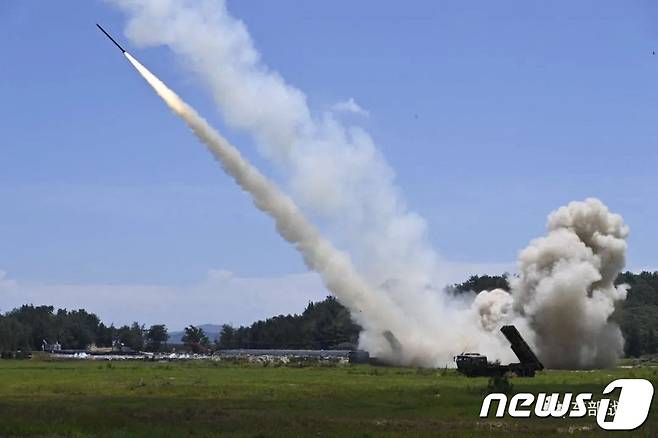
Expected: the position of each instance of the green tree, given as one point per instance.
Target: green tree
(227, 338)
(195, 338)
(641, 294)
(14, 335)
(105, 335)
(478, 283)
(157, 337)
(633, 347)
(76, 329)
(132, 337)
(651, 346)
(325, 324)
(39, 321)
(638, 314)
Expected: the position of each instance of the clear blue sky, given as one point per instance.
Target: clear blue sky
(492, 114)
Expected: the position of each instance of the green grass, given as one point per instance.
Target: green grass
(40, 398)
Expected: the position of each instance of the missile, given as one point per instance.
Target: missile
(111, 39)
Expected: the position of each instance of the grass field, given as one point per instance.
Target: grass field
(41, 398)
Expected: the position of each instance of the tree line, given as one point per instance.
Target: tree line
(36, 327)
(323, 325)
(638, 314)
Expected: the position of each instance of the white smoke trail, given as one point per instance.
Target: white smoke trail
(336, 173)
(372, 311)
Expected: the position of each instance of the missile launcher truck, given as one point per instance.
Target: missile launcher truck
(477, 365)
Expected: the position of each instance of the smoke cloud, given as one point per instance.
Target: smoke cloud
(561, 299)
(566, 289)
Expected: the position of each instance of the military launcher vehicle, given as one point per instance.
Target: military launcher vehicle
(476, 365)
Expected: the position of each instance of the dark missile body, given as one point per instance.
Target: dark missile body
(111, 39)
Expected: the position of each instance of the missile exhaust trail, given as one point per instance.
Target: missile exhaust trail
(111, 39)
(368, 308)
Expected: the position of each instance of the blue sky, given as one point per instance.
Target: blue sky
(492, 114)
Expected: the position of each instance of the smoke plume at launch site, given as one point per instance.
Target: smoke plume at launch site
(564, 292)
(561, 298)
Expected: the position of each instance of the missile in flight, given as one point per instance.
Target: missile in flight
(111, 39)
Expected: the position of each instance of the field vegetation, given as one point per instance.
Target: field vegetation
(206, 398)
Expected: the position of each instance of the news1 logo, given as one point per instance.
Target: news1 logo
(628, 413)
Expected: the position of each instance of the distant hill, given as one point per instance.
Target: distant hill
(211, 330)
